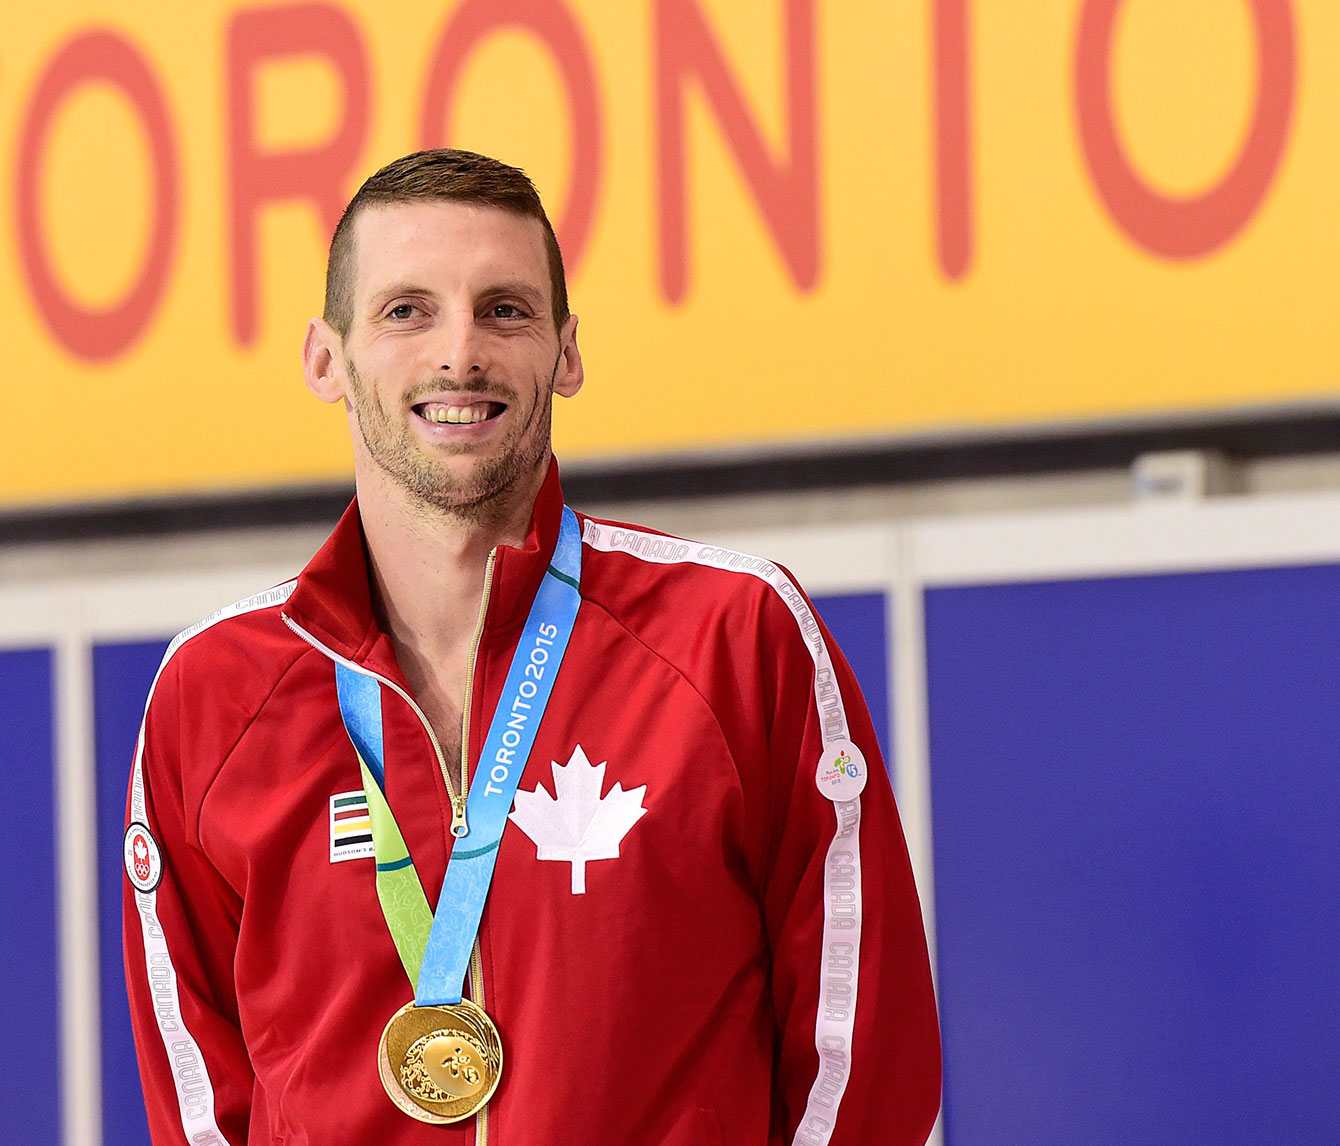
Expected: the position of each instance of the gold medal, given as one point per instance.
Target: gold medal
(440, 1064)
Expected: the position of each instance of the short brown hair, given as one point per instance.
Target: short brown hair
(448, 174)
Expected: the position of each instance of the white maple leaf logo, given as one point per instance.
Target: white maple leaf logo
(141, 849)
(576, 823)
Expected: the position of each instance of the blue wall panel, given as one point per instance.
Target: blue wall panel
(122, 674)
(859, 623)
(1136, 793)
(29, 999)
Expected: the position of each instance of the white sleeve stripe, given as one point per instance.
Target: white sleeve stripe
(195, 1092)
(839, 965)
(838, 977)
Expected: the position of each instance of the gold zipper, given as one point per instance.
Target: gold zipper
(458, 825)
(458, 822)
(428, 728)
(477, 994)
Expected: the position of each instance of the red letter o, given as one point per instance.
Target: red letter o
(97, 334)
(1185, 228)
(554, 26)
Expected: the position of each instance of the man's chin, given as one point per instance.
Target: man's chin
(475, 492)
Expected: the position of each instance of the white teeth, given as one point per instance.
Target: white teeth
(456, 415)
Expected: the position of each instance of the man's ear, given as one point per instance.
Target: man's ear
(569, 375)
(323, 361)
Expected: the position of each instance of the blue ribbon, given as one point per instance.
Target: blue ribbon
(361, 707)
(525, 695)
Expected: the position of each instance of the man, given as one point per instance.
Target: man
(673, 902)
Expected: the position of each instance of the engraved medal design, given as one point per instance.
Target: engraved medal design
(440, 1064)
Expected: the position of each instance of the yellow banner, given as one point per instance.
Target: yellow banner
(785, 220)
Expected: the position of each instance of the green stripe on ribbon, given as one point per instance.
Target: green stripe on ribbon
(563, 577)
(404, 904)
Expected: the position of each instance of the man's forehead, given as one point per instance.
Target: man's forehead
(448, 240)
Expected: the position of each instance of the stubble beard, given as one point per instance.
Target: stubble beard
(486, 493)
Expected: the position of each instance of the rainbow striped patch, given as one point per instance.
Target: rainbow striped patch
(350, 828)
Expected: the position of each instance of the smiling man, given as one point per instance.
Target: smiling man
(499, 823)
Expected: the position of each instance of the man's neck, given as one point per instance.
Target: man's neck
(427, 566)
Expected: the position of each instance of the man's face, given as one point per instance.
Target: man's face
(452, 357)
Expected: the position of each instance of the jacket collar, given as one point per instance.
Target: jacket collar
(333, 597)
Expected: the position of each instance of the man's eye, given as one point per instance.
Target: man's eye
(401, 311)
(506, 310)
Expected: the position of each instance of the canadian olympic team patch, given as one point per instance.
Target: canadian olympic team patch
(841, 772)
(144, 862)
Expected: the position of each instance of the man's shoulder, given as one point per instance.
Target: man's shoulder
(633, 559)
(699, 605)
(636, 571)
(238, 652)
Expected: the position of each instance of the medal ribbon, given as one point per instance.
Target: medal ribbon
(435, 947)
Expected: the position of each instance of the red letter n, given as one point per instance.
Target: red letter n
(785, 188)
(320, 173)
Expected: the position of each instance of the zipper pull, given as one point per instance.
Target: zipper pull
(458, 825)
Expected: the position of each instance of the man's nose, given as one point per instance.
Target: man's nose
(459, 348)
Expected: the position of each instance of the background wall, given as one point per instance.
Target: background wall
(786, 224)
(1109, 728)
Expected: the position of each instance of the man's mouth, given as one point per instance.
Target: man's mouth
(441, 413)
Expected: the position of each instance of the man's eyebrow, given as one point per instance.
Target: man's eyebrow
(529, 291)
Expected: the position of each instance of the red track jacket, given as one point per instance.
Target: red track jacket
(676, 992)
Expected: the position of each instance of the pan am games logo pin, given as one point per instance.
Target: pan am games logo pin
(144, 862)
(842, 771)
